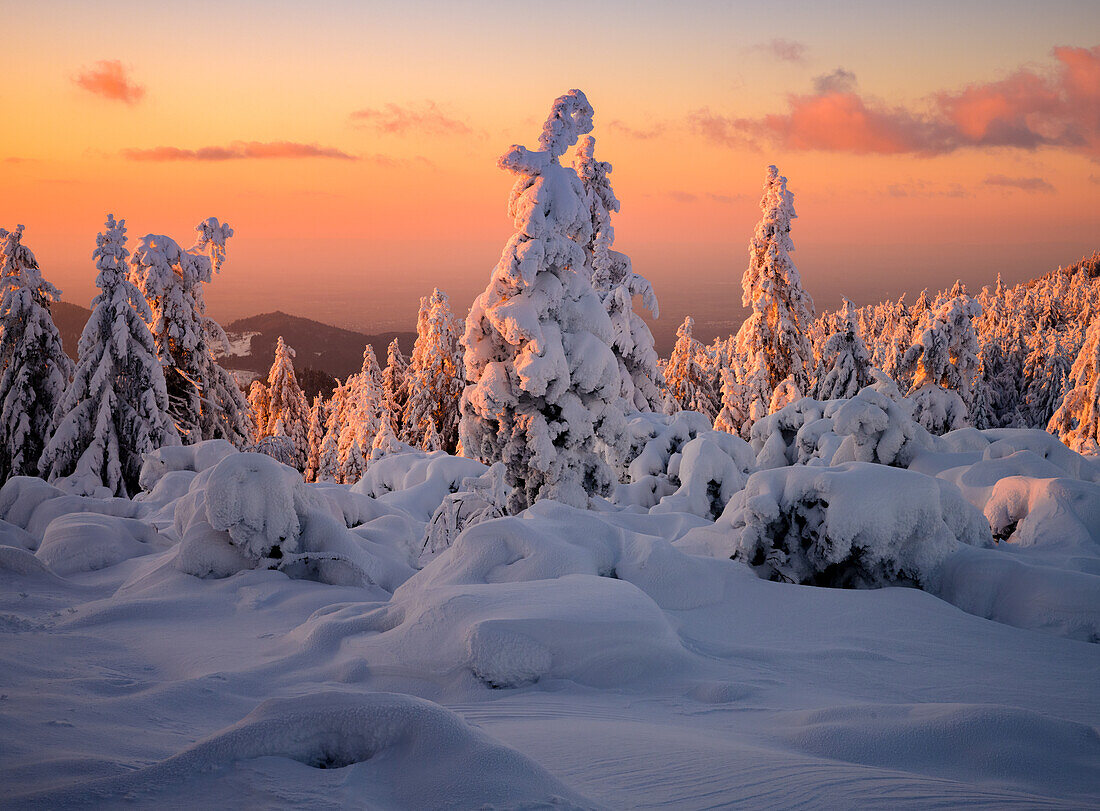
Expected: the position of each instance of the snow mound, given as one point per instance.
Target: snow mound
(1004, 588)
(400, 751)
(30, 504)
(84, 542)
(551, 540)
(1009, 746)
(857, 525)
(595, 631)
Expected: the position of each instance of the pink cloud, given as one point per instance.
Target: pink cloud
(1028, 109)
(395, 119)
(237, 150)
(109, 79)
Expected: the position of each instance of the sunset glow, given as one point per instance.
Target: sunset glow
(361, 139)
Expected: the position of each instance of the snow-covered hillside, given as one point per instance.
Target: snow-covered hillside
(234, 636)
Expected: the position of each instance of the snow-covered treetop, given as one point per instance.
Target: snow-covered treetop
(570, 118)
(20, 269)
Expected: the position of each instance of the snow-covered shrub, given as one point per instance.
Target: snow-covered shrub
(875, 428)
(710, 468)
(478, 499)
(250, 511)
(654, 443)
(279, 447)
(853, 526)
(415, 481)
(775, 438)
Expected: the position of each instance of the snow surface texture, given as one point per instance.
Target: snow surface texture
(235, 636)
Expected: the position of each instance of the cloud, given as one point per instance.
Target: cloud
(237, 150)
(394, 119)
(109, 79)
(785, 50)
(641, 134)
(1028, 109)
(1028, 184)
(922, 188)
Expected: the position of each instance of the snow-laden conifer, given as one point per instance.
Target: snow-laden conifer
(436, 375)
(34, 369)
(687, 378)
(773, 341)
(395, 386)
(315, 437)
(116, 408)
(845, 366)
(544, 382)
(287, 403)
(616, 283)
(203, 398)
(1077, 420)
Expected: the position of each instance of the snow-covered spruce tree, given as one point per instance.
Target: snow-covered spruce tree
(733, 418)
(34, 369)
(354, 465)
(772, 342)
(203, 398)
(436, 375)
(287, 403)
(543, 395)
(116, 408)
(361, 410)
(258, 404)
(845, 366)
(944, 364)
(328, 462)
(395, 386)
(616, 283)
(1077, 420)
(315, 437)
(686, 374)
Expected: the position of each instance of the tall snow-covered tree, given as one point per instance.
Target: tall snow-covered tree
(543, 393)
(688, 379)
(616, 283)
(316, 439)
(395, 386)
(287, 403)
(116, 408)
(436, 375)
(259, 405)
(845, 366)
(203, 398)
(773, 342)
(34, 369)
(1077, 420)
(328, 462)
(361, 408)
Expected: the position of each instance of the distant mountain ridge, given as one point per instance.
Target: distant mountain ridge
(333, 351)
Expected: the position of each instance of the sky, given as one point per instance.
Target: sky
(352, 146)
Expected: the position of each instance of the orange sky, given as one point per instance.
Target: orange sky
(353, 145)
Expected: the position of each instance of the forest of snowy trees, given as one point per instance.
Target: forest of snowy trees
(553, 366)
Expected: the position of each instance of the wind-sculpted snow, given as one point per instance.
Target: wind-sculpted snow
(235, 635)
(399, 752)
